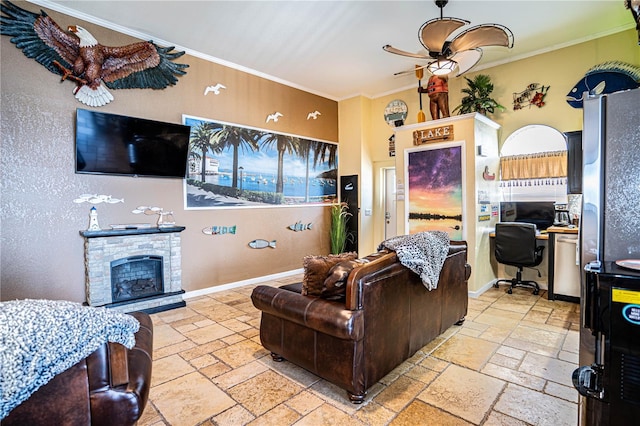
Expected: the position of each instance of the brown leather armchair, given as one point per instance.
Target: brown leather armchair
(386, 317)
(109, 387)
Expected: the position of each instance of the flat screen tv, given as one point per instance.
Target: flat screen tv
(120, 145)
(540, 213)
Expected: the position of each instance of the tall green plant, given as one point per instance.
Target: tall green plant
(478, 97)
(338, 232)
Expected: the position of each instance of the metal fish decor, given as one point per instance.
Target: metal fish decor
(299, 226)
(604, 78)
(219, 230)
(260, 244)
(533, 95)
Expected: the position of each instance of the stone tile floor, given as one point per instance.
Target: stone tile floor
(510, 363)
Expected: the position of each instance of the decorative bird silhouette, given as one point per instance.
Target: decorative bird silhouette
(215, 89)
(76, 55)
(274, 116)
(313, 115)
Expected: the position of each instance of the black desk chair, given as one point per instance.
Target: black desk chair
(515, 244)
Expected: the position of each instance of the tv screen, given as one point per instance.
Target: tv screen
(119, 145)
(540, 213)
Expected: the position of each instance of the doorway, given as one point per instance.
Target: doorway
(389, 202)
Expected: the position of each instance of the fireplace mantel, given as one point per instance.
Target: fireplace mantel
(137, 231)
(106, 246)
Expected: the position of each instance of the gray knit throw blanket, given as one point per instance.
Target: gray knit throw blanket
(424, 253)
(42, 338)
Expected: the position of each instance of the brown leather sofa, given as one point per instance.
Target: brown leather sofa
(109, 387)
(385, 318)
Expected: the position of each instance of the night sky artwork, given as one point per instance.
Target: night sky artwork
(434, 177)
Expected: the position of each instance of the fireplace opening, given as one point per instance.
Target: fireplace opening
(135, 277)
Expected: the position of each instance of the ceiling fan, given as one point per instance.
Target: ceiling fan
(462, 50)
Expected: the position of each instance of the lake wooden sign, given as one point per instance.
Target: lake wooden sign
(436, 134)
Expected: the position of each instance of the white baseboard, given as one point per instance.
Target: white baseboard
(230, 286)
(477, 293)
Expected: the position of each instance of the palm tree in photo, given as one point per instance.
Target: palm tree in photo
(200, 144)
(235, 138)
(284, 145)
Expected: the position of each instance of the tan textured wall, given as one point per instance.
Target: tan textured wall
(41, 249)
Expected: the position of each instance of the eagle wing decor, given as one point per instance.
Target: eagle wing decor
(76, 55)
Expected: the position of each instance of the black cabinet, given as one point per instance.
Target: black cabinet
(574, 162)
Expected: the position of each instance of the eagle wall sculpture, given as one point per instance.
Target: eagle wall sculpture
(76, 55)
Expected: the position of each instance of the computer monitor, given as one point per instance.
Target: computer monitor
(540, 213)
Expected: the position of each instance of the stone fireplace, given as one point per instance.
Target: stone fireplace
(134, 269)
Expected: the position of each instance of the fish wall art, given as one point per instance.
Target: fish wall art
(260, 244)
(299, 226)
(219, 230)
(604, 78)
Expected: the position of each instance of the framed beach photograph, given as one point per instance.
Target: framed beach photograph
(434, 187)
(233, 166)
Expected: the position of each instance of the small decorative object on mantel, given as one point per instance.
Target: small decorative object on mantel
(165, 219)
(260, 244)
(438, 91)
(93, 213)
(219, 230)
(274, 116)
(607, 77)
(533, 95)
(215, 89)
(76, 55)
(97, 199)
(93, 220)
(313, 115)
(299, 226)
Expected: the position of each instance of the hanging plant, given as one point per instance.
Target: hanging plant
(477, 97)
(338, 232)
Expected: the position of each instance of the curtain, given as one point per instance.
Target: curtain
(539, 166)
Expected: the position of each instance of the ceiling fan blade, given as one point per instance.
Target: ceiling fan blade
(412, 70)
(391, 49)
(467, 59)
(433, 33)
(482, 35)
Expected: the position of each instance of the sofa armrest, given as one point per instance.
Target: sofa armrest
(325, 316)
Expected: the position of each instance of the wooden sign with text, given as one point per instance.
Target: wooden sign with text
(436, 134)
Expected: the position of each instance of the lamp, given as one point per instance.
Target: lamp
(442, 66)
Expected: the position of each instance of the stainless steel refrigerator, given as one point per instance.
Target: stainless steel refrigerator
(609, 256)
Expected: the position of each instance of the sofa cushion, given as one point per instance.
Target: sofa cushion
(335, 284)
(316, 269)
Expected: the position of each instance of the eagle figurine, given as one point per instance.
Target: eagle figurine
(76, 55)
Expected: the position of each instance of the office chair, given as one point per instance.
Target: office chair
(515, 245)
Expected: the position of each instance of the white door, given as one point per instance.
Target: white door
(390, 226)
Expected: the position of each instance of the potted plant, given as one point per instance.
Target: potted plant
(477, 97)
(338, 232)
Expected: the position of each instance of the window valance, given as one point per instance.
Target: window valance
(534, 166)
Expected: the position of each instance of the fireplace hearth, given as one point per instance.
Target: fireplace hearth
(134, 269)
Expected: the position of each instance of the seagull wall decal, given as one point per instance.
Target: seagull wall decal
(215, 89)
(274, 116)
(313, 115)
(76, 55)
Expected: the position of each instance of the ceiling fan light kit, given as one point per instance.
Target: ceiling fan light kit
(462, 51)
